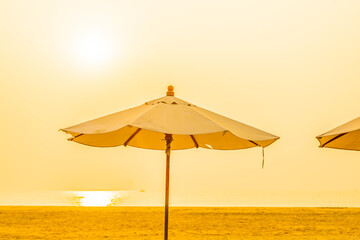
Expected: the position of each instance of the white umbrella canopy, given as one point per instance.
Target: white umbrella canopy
(346, 136)
(181, 124)
(190, 126)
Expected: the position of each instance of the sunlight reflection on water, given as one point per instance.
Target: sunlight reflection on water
(97, 198)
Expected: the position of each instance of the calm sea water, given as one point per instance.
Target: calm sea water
(203, 223)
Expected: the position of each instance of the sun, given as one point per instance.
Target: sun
(93, 48)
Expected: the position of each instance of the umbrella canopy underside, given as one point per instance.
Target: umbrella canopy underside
(346, 136)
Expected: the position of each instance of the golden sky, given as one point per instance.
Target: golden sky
(290, 68)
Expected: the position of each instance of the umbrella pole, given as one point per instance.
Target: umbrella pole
(168, 138)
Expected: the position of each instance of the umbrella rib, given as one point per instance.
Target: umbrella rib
(70, 139)
(131, 137)
(254, 143)
(333, 139)
(194, 140)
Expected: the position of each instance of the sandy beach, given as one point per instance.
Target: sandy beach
(185, 223)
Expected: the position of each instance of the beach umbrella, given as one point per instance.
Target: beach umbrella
(346, 136)
(168, 123)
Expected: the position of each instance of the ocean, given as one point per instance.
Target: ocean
(205, 223)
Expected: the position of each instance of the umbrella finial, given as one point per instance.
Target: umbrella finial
(170, 91)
